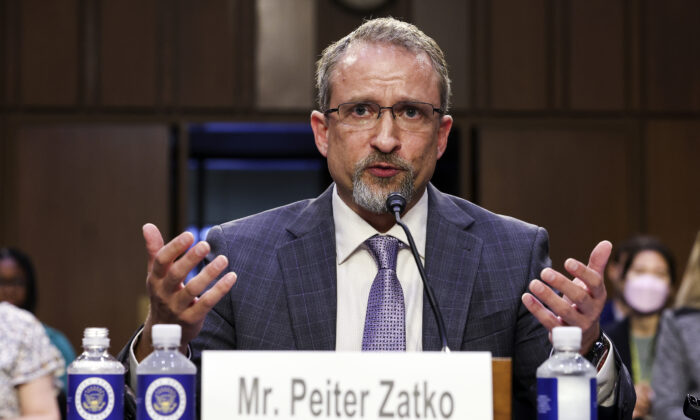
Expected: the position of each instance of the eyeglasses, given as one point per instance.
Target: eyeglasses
(409, 116)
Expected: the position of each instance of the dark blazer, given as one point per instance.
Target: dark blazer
(478, 263)
(619, 333)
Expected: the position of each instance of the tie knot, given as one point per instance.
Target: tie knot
(384, 250)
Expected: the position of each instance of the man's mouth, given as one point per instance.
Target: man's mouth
(383, 170)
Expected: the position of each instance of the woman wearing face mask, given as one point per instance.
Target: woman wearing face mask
(648, 279)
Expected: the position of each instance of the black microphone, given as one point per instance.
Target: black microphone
(396, 204)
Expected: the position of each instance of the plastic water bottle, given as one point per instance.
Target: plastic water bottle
(166, 378)
(95, 380)
(566, 384)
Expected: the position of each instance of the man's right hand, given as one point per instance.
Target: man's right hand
(172, 301)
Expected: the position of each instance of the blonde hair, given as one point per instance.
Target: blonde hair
(689, 293)
(383, 31)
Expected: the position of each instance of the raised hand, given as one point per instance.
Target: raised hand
(172, 301)
(581, 300)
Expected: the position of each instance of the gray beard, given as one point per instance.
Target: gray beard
(371, 196)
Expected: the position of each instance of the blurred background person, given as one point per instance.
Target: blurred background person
(18, 287)
(615, 308)
(648, 278)
(29, 367)
(677, 364)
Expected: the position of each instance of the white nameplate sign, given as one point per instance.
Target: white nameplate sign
(346, 385)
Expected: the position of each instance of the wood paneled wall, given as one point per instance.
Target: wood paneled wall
(671, 59)
(671, 194)
(596, 70)
(48, 66)
(578, 116)
(576, 178)
(132, 55)
(78, 196)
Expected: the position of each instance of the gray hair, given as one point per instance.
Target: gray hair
(388, 31)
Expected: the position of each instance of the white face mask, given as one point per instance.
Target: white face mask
(646, 293)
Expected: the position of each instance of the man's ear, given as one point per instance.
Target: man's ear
(319, 125)
(443, 133)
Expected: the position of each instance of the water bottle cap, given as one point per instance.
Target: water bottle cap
(566, 337)
(164, 334)
(96, 337)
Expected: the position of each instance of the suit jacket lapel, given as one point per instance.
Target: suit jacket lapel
(451, 262)
(308, 265)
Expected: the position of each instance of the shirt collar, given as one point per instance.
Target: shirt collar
(351, 230)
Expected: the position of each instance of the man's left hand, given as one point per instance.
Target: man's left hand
(581, 300)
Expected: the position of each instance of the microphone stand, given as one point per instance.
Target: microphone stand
(396, 203)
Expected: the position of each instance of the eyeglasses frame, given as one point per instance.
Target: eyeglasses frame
(381, 108)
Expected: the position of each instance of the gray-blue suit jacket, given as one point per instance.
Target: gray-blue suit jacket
(478, 263)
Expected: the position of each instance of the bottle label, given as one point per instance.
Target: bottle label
(166, 397)
(567, 398)
(95, 397)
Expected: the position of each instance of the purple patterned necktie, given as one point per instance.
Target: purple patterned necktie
(385, 322)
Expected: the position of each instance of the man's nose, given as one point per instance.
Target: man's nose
(386, 139)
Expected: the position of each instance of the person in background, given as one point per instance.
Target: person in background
(615, 308)
(18, 287)
(676, 369)
(29, 367)
(648, 277)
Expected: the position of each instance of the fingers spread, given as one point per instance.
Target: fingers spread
(181, 267)
(592, 279)
(573, 292)
(543, 315)
(212, 296)
(599, 257)
(199, 283)
(167, 254)
(559, 307)
(582, 298)
(154, 242)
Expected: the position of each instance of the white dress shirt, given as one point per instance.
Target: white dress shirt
(356, 270)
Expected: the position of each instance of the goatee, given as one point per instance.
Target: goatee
(370, 192)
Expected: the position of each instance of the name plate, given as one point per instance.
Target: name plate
(346, 385)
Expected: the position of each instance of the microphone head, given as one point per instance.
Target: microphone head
(395, 202)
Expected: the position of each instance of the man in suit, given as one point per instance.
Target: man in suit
(305, 271)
